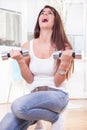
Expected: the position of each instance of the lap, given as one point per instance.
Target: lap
(51, 100)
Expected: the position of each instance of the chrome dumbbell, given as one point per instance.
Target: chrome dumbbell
(57, 55)
(5, 55)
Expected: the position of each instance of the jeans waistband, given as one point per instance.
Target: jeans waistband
(44, 88)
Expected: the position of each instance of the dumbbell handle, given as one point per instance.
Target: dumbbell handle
(57, 55)
(5, 55)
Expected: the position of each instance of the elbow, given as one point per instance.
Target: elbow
(58, 82)
(29, 81)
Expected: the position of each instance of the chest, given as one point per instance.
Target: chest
(42, 66)
(43, 51)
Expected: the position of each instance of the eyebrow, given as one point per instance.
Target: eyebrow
(47, 11)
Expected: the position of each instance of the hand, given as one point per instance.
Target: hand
(66, 59)
(15, 54)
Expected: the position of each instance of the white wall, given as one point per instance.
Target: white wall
(34, 7)
(5, 80)
(29, 9)
(17, 6)
(77, 84)
(74, 24)
(14, 5)
(85, 30)
(12, 84)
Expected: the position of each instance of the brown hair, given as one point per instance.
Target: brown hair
(58, 38)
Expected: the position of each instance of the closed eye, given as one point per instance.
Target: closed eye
(49, 12)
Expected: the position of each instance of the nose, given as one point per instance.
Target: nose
(45, 13)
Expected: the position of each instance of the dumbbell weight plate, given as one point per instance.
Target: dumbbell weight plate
(5, 55)
(57, 55)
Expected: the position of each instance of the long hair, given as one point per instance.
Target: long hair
(58, 38)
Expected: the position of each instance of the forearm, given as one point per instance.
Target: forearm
(25, 71)
(59, 78)
(60, 75)
(63, 68)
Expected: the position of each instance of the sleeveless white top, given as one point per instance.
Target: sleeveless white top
(43, 70)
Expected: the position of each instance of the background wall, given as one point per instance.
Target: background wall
(10, 87)
(17, 6)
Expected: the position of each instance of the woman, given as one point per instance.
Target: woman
(46, 76)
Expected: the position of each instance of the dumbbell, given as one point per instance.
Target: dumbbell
(5, 55)
(57, 55)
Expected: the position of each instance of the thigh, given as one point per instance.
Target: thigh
(54, 101)
(51, 100)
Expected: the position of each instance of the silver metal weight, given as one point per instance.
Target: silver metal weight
(5, 55)
(57, 55)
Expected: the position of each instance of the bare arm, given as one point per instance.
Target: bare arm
(23, 63)
(65, 64)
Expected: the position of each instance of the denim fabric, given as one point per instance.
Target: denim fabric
(26, 110)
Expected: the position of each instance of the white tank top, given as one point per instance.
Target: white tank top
(43, 70)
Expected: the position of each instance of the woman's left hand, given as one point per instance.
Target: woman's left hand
(66, 59)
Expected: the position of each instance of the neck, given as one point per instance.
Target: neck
(45, 36)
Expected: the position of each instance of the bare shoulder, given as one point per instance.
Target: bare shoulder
(25, 45)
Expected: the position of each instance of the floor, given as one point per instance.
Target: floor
(75, 117)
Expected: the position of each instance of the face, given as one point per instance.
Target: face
(46, 19)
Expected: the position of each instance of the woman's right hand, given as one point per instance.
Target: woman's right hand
(15, 54)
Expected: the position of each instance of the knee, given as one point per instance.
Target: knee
(16, 108)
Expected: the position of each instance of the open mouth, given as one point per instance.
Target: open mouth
(44, 20)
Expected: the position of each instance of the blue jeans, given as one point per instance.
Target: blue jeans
(27, 110)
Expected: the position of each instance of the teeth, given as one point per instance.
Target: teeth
(44, 20)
